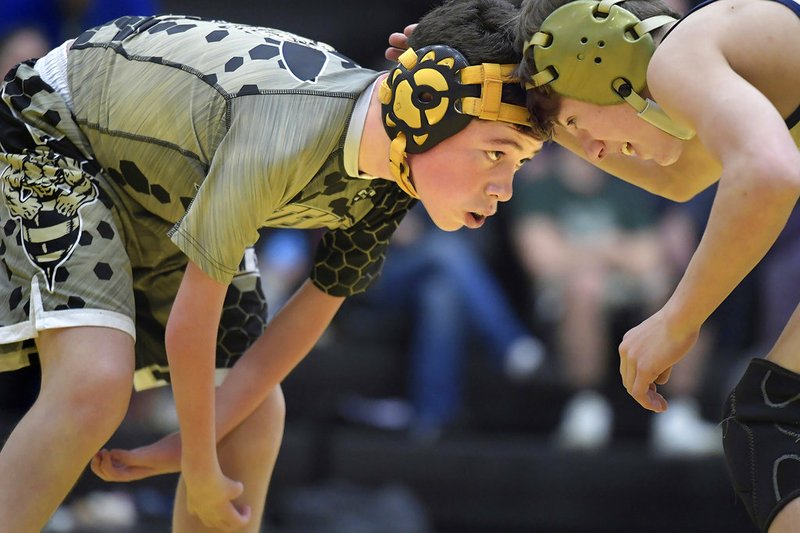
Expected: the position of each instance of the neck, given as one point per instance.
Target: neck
(373, 154)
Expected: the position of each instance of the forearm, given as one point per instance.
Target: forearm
(288, 338)
(191, 341)
(193, 389)
(744, 223)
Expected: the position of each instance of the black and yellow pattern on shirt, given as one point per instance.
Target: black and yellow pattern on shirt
(182, 138)
(221, 129)
(65, 248)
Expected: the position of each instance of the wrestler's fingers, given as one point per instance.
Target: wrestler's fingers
(664, 376)
(398, 40)
(656, 400)
(644, 391)
(623, 365)
(393, 54)
(100, 464)
(630, 376)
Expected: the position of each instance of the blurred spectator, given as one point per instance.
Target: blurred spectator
(20, 45)
(590, 245)
(30, 28)
(284, 259)
(439, 282)
(59, 20)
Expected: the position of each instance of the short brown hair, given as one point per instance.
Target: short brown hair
(483, 31)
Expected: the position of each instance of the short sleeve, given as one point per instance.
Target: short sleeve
(255, 169)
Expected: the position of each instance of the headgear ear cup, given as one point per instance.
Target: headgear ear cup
(418, 100)
(423, 97)
(433, 94)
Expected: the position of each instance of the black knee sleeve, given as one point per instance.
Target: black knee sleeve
(761, 438)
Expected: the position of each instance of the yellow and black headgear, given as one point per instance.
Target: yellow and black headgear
(598, 52)
(433, 94)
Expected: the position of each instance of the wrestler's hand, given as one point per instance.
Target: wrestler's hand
(211, 499)
(399, 43)
(647, 354)
(161, 457)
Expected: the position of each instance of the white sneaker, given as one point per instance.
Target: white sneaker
(681, 431)
(524, 358)
(105, 511)
(382, 413)
(62, 521)
(586, 423)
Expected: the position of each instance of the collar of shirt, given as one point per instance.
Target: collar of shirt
(355, 130)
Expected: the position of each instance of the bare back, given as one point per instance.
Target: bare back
(760, 39)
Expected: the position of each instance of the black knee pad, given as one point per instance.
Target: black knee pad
(761, 438)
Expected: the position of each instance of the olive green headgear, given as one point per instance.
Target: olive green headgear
(598, 52)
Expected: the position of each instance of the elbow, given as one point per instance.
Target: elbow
(770, 184)
(776, 177)
(788, 180)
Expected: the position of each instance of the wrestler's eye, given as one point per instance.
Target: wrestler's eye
(495, 155)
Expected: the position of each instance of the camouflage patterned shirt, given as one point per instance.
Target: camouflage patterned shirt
(220, 129)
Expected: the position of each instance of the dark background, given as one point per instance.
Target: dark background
(500, 473)
(357, 28)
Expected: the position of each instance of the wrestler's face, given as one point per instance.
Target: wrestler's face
(461, 180)
(615, 130)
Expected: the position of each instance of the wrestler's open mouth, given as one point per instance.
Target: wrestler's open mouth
(477, 217)
(628, 149)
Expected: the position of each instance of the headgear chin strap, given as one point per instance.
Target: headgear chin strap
(598, 52)
(433, 94)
